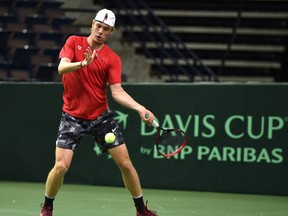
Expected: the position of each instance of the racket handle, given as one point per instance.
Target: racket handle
(155, 124)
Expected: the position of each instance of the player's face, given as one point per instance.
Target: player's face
(100, 32)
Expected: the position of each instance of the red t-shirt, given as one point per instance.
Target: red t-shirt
(84, 93)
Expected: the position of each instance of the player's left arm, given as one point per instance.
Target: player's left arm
(66, 66)
(124, 99)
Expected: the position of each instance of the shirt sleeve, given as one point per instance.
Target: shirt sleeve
(67, 50)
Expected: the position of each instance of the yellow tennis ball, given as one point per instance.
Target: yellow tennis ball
(110, 137)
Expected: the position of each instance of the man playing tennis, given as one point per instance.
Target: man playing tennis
(87, 64)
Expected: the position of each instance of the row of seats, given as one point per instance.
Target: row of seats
(32, 33)
(258, 47)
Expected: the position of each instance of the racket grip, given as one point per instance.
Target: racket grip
(155, 124)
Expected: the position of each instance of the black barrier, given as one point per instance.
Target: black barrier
(238, 137)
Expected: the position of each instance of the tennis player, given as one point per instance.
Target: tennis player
(87, 64)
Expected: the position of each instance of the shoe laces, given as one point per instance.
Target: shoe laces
(146, 210)
(49, 208)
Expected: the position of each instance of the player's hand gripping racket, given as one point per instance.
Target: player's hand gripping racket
(169, 141)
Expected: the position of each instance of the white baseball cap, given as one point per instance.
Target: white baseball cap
(106, 16)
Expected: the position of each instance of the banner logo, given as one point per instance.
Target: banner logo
(235, 138)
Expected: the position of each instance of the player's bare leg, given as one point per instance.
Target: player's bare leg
(129, 174)
(56, 175)
(131, 179)
(55, 178)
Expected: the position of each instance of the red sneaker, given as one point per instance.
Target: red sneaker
(46, 210)
(146, 212)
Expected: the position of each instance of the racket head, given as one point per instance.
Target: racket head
(170, 141)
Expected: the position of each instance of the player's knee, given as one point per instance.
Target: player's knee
(126, 166)
(61, 168)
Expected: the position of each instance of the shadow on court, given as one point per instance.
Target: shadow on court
(23, 199)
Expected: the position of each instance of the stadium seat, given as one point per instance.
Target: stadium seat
(64, 24)
(22, 63)
(6, 6)
(5, 70)
(4, 47)
(48, 72)
(27, 36)
(53, 52)
(25, 7)
(52, 35)
(32, 33)
(7, 18)
(35, 19)
(51, 8)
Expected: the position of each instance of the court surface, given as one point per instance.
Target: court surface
(23, 199)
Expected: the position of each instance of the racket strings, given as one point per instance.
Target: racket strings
(171, 141)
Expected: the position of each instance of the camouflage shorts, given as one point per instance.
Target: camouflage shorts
(71, 131)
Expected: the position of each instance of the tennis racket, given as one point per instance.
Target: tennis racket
(169, 142)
